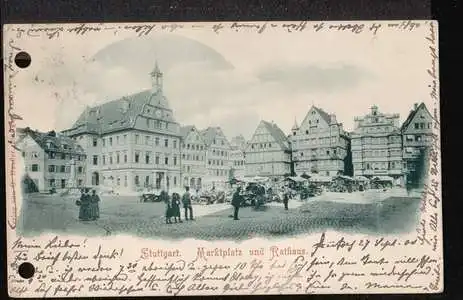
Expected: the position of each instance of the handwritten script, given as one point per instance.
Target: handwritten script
(145, 29)
(66, 268)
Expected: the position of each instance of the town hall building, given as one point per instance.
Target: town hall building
(131, 143)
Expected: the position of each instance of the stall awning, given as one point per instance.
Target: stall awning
(361, 178)
(345, 177)
(297, 179)
(321, 178)
(383, 178)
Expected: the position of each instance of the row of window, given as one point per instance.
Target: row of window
(194, 147)
(261, 146)
(215, 162)
(146, 182)
(377, 153)
(315, 152)
(377, 140)
(122, 140)
(324, 163)
(219, 153)
(377, 129)
(147, 159)
(218, 172)
(156, 124)
(54, 169)
(56, 155)
(194, 182)
(418, 138)
(319, 141)
(422, 125)
(238, 163)
(192, 157)
(379, 166)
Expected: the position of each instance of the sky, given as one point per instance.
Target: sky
(229, 79)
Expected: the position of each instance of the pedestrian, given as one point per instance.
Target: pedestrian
(236, 202)
(186, 199)
(176, 208)
(84, 210)
(286, 199)
(165, 198)
(94, 206)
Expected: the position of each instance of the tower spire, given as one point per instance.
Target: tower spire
(156, 78)
(295, 126)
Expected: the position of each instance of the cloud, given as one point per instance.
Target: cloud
(314, 78)
(203, 87)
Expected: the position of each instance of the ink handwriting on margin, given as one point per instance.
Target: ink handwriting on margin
(11, 135)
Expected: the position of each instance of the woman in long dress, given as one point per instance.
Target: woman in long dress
(84, 203)
(176, 208)
(95, 206)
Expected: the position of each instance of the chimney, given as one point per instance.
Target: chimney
(415, 106)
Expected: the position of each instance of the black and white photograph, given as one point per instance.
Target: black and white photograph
(225, 132)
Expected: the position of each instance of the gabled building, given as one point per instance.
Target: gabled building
(51, 160)
(268, 152)
(218, 163)
(377, 146)
(417, 137)
(133, 142)
(193, 159)
(320, 144)
(238, 155)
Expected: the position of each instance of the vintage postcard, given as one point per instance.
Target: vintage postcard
(162, 159)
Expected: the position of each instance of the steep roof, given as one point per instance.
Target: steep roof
(209, 134)
(117, 114)
(51, 141)
(277, 134)
(323, 114)
(185, 130)
(412, 115)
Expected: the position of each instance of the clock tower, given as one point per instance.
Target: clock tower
(156, 79)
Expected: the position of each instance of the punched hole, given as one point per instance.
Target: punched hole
(22, 59)
(26, 270)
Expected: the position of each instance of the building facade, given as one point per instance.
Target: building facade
(320, 144)
(51, 161)
(131, 143)
(417, 137)
(193, 157)
(218, 163)
(268, 152)
(377, 146)
(238, 156)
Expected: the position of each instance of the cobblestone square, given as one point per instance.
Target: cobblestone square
(126, 215)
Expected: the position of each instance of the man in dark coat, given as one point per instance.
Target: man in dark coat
(186, 199)
(164, 196)
(286, 198)
(236, 202)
